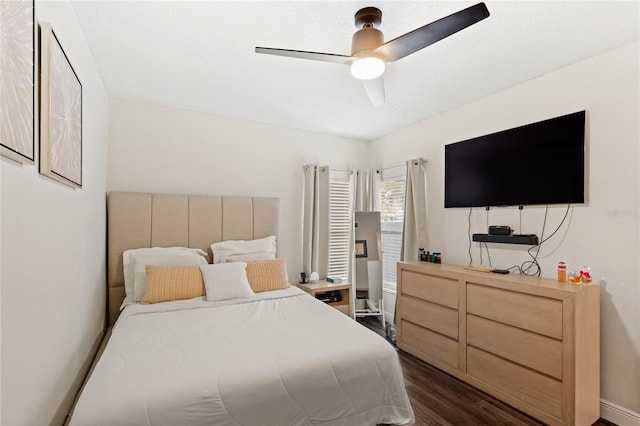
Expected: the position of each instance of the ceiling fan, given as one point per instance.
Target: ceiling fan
(369, 52)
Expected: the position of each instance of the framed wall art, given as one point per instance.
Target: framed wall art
(18, 80)
(60, 113)
(361, 248)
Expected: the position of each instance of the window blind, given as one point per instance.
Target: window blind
(339, 228)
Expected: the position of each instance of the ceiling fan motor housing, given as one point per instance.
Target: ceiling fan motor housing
(368, 15)
(366, 40)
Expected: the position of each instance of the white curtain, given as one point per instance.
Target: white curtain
(414, 233)
(315, 233)
(366, 190)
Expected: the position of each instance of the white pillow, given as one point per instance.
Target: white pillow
(260, 249)
(134, 261)
(224, 281)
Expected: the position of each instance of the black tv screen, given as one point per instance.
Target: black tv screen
(535, 164)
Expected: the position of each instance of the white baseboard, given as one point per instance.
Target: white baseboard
(388, 317)
(618, 415)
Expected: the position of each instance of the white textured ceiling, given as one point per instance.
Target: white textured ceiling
(200, 56)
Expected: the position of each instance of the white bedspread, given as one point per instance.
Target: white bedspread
(282, 358)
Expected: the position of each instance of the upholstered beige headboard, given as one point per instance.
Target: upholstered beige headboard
(136, 220)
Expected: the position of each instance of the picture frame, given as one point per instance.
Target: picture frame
(18, 85)
(361, 248)
(60, 112)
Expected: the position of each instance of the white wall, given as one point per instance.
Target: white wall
(603, 234)
(161, 149)
(53, 258)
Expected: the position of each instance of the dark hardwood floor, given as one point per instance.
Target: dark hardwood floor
(440, 399)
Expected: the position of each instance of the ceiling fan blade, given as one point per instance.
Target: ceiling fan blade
(324, 57)
(424, 36)
(375, 90)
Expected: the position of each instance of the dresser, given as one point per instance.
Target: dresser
(531, 342)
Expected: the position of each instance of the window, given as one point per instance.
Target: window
(339, 228)
(392, 192)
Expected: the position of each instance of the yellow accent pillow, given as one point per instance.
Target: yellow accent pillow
(267, 275)
(167, 283)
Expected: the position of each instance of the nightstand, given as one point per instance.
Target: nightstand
(321, 287)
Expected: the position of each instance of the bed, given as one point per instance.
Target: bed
(280, 357)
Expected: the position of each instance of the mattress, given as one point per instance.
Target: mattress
(280, 358)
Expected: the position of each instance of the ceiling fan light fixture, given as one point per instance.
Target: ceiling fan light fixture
(369, 52)
(367, 68)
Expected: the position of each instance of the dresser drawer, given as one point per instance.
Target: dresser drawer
(537, 352)
(432, 344)
(533, 313)
(443, 291)
(535, 389)
(429, 315)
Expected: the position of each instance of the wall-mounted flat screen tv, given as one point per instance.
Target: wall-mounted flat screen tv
(535, 164)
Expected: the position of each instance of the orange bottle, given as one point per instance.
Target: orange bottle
(562, 272)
